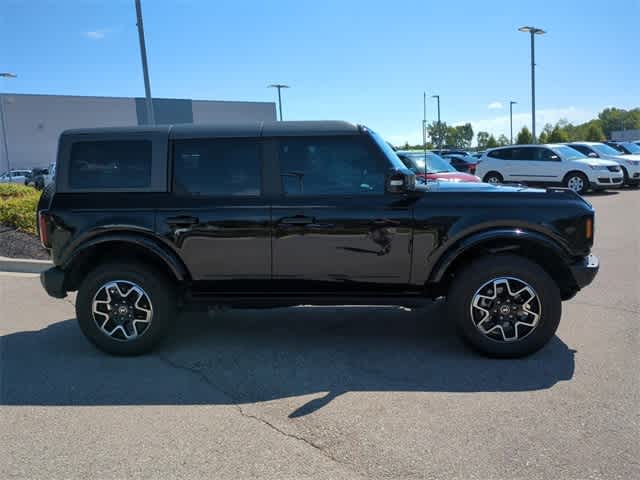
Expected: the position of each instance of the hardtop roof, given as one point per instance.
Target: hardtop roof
(233, 129)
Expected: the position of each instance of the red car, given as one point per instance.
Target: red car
(437, 167)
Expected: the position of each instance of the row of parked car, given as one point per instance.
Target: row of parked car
(580, 166)
(36, 177)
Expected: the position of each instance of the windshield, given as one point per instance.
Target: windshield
(632, 148)
(603, 149)
(569, 153)
(388, 151)
(435, 163)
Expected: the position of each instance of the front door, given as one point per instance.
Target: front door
(219, 221)
(534, 165)
(335, 227)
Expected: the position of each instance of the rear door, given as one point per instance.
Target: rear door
(217, 217)
(335, 227)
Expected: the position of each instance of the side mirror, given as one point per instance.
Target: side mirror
(555, 158)
(399, 181)
(592, 155)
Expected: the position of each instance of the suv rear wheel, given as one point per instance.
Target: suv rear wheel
(125, 309)
(505, 306)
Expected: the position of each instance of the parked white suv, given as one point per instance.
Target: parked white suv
(550, 164)
(15, 176)
(630, 163)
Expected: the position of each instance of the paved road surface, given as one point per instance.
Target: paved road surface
(330, 392)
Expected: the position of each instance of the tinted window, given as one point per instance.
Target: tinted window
(537, 154)
(330, 166)
(504, 154)
(581, 149)
(217, 167)
(110, 164)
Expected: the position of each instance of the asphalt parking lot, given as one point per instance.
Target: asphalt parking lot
(330, 392)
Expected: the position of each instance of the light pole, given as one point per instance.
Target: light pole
(279, 86)
(424, 122)
(533, 31)
(511, 104)
(151, 119)
(2, 117)
(437, 97)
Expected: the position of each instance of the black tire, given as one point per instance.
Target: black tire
(583, 178)
(625, 177)
(160, 292)
(468, 281)
(493, 177)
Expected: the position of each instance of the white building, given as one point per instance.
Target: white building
(34, 122)
(625, 135)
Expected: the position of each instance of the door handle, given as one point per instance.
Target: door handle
(297, 220)
(182, 220)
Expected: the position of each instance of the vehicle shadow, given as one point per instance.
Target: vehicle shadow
(601, 193)
(244, 356)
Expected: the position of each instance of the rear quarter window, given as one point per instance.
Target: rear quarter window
(110, 164)
(503, 154)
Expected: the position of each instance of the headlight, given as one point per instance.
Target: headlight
(634, 163)
(598, 167)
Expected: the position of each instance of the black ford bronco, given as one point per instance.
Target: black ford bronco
(144, 220)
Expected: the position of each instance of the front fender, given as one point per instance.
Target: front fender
(442, 260)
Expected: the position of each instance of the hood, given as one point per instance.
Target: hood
(440, 186)
(450, 177)
(595, 162)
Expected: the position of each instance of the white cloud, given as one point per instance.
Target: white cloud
(500, 125)
(495, 106)
(95, 34)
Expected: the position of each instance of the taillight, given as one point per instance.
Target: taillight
(42, 230)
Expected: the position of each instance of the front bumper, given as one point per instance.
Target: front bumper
(585, 270)
(605, 180)
(52, 280)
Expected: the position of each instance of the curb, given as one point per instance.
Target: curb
(23, 265)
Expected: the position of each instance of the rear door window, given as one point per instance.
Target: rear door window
(217, 167)
(110, 164)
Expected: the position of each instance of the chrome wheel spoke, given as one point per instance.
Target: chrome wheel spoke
(122, 310)
(505, 309)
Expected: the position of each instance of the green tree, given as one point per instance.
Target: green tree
(594, 133)
(437, 133)
(491, 142)
(503, 140)
(482, 140)
(558, 135)
(543, 137)
(524, 136)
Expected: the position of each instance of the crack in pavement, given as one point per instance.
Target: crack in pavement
(245, 414)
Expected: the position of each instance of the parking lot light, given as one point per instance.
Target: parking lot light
(533, 31)
(279, 86)
(511, 104)
(437, 97)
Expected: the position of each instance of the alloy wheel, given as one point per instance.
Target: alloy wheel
(506, 309)
(122, 310)
(576, 184)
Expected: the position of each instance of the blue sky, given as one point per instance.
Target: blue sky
(366, 62)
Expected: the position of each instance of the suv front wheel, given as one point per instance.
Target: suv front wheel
(125, 309)
(505, 306)
(576, 181)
